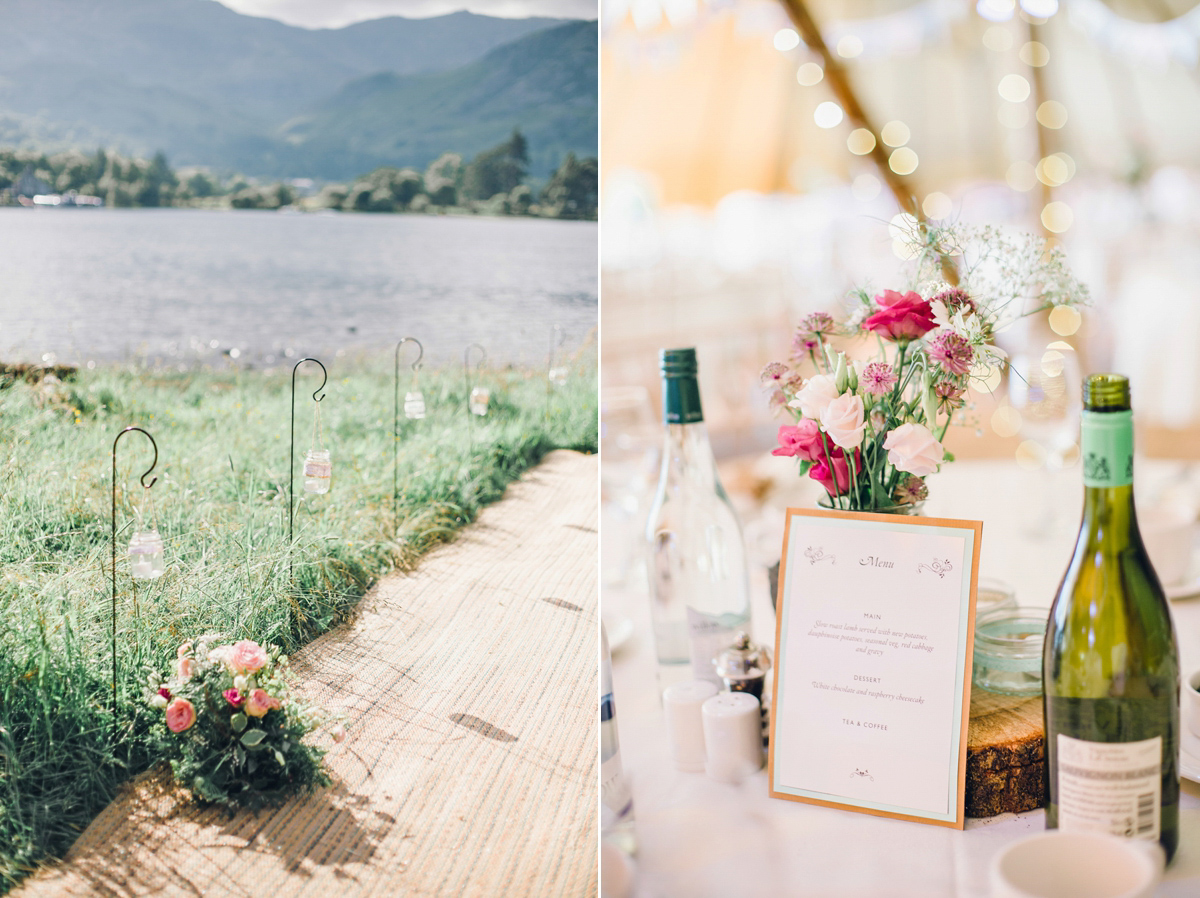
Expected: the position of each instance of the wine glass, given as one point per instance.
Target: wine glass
(1044, 389)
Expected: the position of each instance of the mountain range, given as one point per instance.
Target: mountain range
(209, 86)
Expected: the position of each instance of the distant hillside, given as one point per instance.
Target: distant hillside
(544, 83)
(207, 85)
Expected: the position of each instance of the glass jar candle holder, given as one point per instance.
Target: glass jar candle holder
(558, 375)
(146, 555)
(480, 397)
(318, 470)
(1008, 650)
(414, 405)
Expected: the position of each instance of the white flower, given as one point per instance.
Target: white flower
(157, 701)
(816, 395)
(843, 420)
(912, 448)
(239, 683)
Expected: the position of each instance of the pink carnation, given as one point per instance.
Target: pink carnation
(234, 697)
(901, 316)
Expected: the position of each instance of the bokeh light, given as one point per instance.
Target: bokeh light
(786, 39)
(1052, 114)
(996, 10)
(1053, 171)
(1021, 176)
(895, 134)
(1006, 421)
(937, 205)
(865, 187)
(902, 225)
(860, 142)
(828, 115)
(1057, 217)
(809, 74)
(849, 46)
(1014, 88)
(997, 38)
(1035, 53)
(1065, 320)
(903, 161)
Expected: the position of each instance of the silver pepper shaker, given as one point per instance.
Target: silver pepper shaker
(743, 668)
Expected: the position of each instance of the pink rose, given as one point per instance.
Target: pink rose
(801, 441)
(912, 448)
(820, 473)
(843, 421)
(258, 703)
(248, 656)
(339, 733)
(180, 715)
(901, 316)
(183, 667)
(234, 697)
(185, 648)
(817, 393)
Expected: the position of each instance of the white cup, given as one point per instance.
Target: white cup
(1167, 531)
(1057, 864)
(1189, 700)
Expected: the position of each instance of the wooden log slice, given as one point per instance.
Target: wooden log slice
(1006, 756)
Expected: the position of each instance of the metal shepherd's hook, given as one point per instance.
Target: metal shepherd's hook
(114, 549)
(467, 370)
(556, 340)
(292, 449)
(396, 424)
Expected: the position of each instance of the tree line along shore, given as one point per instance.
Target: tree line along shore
(495, 182)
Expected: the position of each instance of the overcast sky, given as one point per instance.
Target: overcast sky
(336, 13)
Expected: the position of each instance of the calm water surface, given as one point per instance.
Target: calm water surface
(178, 286)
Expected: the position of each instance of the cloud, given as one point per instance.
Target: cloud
(337, 13)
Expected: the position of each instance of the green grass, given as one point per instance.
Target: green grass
(221, 503)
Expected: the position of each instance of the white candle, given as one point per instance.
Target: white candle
(732, 736)
(685, 732)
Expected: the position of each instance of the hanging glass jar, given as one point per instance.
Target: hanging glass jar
(558, 375)
(146, 555)
(480, 397)
(414, 400)
(318, 466)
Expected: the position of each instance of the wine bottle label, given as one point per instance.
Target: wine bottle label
(1107, 447)
(1113, 787)
(707, 638)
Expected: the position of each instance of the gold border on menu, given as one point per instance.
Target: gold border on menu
(780, 598)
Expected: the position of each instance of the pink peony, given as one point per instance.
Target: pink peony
(180, 715)
(820, 473)
(912, 448)
(843, 421)
(184, 667)
(820, 390)
(248, 656)
(901, 316)
(802, 441)
(234, 697)
(258, 703)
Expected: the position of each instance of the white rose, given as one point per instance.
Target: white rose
(843, 420)
(816, 395)
(157, 701)
(239, 683)
(912, 448)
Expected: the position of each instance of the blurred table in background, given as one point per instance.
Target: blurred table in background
(699, 838)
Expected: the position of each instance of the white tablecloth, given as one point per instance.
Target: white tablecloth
(699, 838)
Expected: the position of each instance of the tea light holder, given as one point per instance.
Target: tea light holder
(685, 728)
(414, 410)
(145, 553)
(480, 397)
(318, 471)
(292, 453)
(732, 736)
(414, 405)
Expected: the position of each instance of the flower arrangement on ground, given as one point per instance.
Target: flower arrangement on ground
(233, 731)
(871, 430)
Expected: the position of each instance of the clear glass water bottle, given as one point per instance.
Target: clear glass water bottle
(699, 582)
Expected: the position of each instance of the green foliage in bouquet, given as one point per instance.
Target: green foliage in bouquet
(231, 728)
(871, 430)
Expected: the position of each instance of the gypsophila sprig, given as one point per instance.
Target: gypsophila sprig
(232, 730)
(870, 431)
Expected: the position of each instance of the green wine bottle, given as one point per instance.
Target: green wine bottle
(1110, 666)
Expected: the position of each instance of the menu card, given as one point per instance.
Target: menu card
(873, 640)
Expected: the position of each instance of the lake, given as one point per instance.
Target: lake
(182, 286)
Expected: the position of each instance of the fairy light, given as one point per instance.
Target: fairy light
(895, 134)
(849, 46)
(1014, 88)
(809, 74)
(1057, 217)
(828, 115)
(1052, 114)
(860, 142)
(903, 161)
(1035, 53)
(786, 39)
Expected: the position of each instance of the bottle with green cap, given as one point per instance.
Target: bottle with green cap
(1110, 665)
(699, 584)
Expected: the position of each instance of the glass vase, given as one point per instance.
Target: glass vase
(146, 555)
(318, 470)
(480, 396)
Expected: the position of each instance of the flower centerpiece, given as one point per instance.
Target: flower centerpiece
(230, 726)
(871, 430)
